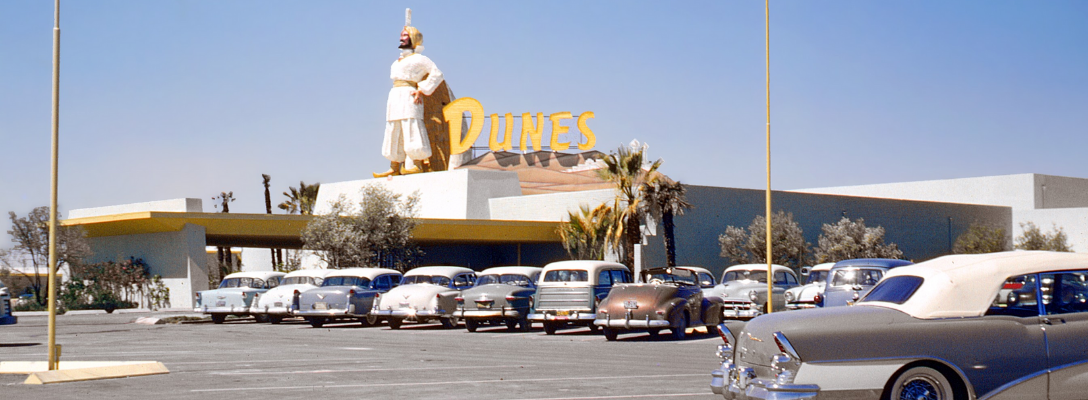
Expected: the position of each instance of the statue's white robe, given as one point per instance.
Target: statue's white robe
(405, 131)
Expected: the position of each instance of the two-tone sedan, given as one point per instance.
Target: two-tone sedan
(804, 296)
(669, 298)
(277, 303)
(933, 330)
(346, 294)
(743, 289)
(501, 295)
(236, 294)
(426, 294)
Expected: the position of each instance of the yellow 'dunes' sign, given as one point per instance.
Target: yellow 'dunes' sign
(533, 130)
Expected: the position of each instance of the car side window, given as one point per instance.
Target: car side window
(1016, 298)
(870, 277)
(620, 276)
(791, 280)
(382, 283)
(462, 281)
(272, 282)
(780, 278)
(705, 279)
(1065, 292)
(605, 278)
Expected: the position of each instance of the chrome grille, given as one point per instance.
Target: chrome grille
(563, 298)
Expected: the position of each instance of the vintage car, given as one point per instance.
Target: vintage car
(346, 294)
(849, 280)
(276, 304)
(703, 277)
(804, 296)
(6, 317)
(236, 295)
(743, 289)
(426, 294)
(668, 298)
(927, 331)
(570, 291)
(501, 295)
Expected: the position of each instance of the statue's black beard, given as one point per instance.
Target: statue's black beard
(406, 45)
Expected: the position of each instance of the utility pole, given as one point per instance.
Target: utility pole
(770, 247)
(53, 353)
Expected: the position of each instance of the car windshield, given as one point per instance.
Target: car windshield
(507, 279)
(817, 277)
(567, 275)
(677, 276)
(256, 283)
(346, 281)
(856, 276)
(896, 289)
(431, 279)
(745, 275)
(302, 280)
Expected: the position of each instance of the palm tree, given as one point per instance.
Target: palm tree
(585, 235)
(226, 260)
(630, 173)
(300, 200)
(266, 179)
(666, 197)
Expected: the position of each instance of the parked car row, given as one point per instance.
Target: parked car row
(989, 326)
(596, 294)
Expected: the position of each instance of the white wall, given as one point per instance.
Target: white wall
(173, 205)
(1016, 191)
(457, 194)
(179, 257)
(547, 207)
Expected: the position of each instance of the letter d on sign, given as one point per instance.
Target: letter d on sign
(453, 113)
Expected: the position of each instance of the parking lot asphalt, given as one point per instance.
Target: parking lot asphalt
(246, 360)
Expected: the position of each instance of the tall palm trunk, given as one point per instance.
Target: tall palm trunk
(670, 240)
(633, 237)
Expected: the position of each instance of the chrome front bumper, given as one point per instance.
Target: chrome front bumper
(739, 384)
(550, 316)
(630, 323)
(736, 311)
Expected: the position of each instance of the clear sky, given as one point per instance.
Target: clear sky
(169, 98)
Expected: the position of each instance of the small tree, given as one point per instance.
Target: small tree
(750, 246)
(981, 239)
(31, 237)
(848, 239)
(226, 259)
(585, 235)
(376, 232)
(1034, 239)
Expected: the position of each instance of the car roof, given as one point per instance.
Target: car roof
(822, 267)
(370, 273)
(255, 274)
(588, 265)
(872, 262)
(758, 267)
(446, 271)
(527, 271)
(315, 272)
(965, 285)
(695, 269)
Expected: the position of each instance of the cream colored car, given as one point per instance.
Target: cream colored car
(426, 294)
(276, 304)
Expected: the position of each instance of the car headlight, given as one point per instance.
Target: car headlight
(789, 297)
(754, 296)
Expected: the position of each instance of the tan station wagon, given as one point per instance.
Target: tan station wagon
(569, 292)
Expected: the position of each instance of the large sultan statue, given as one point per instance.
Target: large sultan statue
(414, 76)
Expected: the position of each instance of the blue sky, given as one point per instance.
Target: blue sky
(171, 99)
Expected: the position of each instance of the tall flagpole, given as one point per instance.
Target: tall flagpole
(770, 253)
(53, 356)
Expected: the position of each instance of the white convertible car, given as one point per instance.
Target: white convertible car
(275, 304)
(425, 294)
(933, 331)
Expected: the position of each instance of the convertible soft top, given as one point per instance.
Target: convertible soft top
(959, 286)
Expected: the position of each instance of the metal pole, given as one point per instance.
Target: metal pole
(53, 193)
(770, 253)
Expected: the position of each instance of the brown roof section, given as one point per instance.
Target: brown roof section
(543, 172)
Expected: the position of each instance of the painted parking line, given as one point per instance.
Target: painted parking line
(286, 360)
(336, 371)
(633, 396)
(417, 383)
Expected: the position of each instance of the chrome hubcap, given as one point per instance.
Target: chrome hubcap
(920, 388)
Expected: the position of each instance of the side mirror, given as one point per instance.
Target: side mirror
(805, 271)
